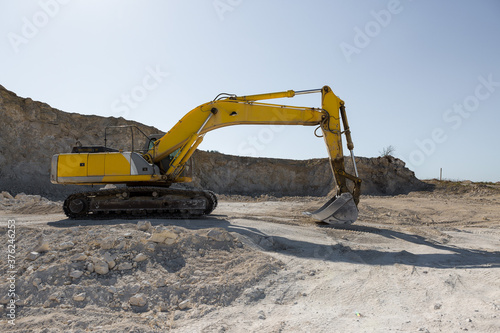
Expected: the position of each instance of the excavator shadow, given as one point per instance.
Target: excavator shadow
(436, 255)
(350, 227)
(211, 221)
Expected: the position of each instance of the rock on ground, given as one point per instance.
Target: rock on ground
(28, 204)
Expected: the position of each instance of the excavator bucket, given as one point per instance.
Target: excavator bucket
(340, 209)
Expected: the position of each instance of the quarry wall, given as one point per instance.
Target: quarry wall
(33, 131)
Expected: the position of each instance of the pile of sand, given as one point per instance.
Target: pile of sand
(28, 204)
(131, 269)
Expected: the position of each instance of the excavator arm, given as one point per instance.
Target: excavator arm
(188, 133)
(165, 161)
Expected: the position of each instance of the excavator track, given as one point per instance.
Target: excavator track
(140, 202)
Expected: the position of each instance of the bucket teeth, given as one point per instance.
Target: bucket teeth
(340, 209)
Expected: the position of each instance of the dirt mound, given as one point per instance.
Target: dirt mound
(28, 204)
(130, 269)
(34, 131)
(462, 188)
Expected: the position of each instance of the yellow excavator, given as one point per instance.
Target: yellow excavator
(146, 175)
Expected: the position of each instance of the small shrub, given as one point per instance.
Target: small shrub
(387, 151)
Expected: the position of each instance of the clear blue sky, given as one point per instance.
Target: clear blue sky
(422, 76)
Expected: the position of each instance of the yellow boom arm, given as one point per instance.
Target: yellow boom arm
(188, 133)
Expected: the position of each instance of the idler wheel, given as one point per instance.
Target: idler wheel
(77, 206)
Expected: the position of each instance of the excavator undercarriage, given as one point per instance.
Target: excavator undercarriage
(138, 202)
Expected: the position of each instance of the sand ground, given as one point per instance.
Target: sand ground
(422, 262)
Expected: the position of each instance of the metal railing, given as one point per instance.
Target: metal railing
(131, 134)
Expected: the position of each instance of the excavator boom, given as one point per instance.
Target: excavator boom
(166, 157)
